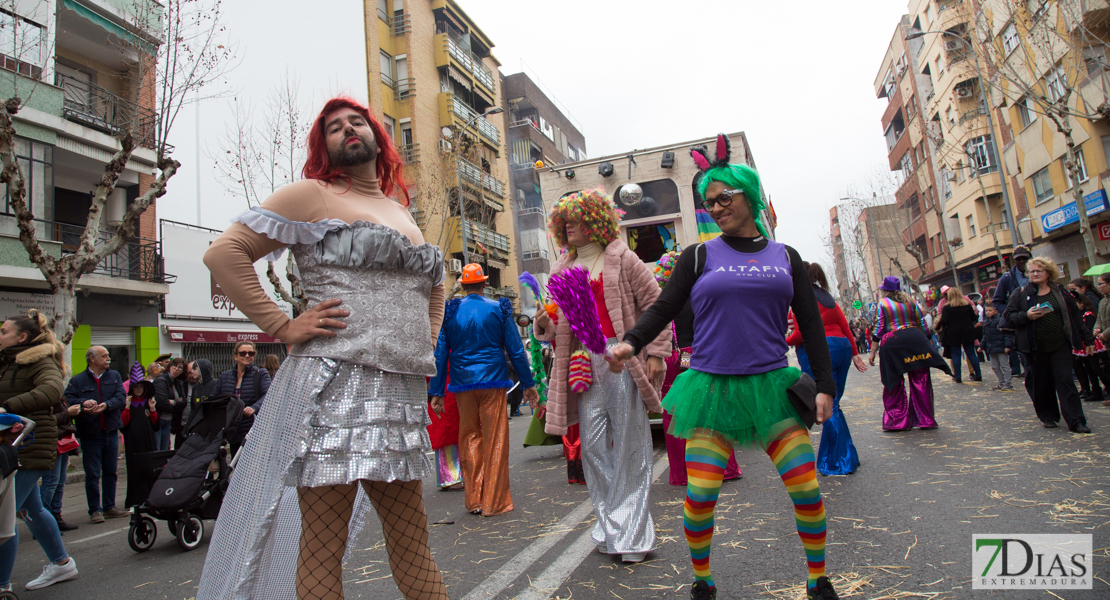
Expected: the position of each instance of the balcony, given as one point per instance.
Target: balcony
(403, 88)
(479, 238)
(454, 112)
(399, 25)
(97, 108)
(138, 260)
(448, 48)
(410, 153)
(490, 185)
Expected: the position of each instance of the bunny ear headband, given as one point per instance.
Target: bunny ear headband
(701, 154)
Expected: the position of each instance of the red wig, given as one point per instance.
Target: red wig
(317, 165)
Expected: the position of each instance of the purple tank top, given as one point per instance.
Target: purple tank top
(740, 304)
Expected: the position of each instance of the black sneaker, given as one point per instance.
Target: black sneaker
(823, 591)
(1081, 428)
(703, 591)
(1048, 424)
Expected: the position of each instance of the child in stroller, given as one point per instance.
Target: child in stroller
(190, 481)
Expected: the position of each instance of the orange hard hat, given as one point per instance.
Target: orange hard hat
(472, 273)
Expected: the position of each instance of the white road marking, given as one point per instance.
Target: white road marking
(558, 572)
(93, 537)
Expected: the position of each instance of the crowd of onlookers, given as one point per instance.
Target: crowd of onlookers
(149, 412)
(1030, 325)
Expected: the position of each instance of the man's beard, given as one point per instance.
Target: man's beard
(356, 154)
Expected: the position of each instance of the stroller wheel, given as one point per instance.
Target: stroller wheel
(190, 530)
(141, 536)
(8, 596)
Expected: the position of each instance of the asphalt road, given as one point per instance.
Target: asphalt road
(900, 527)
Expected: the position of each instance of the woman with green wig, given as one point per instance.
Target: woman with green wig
(741, 286)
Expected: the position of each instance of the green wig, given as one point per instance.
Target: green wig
(738, 177)
(594, 210)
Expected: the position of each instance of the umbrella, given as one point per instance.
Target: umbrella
(1098, 270)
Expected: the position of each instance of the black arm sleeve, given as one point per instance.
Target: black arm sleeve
(670, 302)
(808, 317)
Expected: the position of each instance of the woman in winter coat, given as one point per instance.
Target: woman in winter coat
(31, 371)
(615, 406)
(247, 383)
(169, 390)
(1048, 327)
(957, 332)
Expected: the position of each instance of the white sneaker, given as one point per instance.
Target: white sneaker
(634, 557)
(53, 573)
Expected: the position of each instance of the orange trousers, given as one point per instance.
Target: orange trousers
(484, 450)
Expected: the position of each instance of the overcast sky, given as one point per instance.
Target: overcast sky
(795, 76)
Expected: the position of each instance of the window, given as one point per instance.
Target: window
(910, 110)
(888, 85)
(1106, 145)
(906, 164)
(1036, 8)
(36, 160)
(401, 67)
(23, 44)
(390, 124)
(940, 66)
(1042, 185)
(1010, 39)
(980, 153)
(931, 14)
(971, 227)
(1080, 164)
(1027, 111)
(383, 10)
(1056, 83)
(649, 242)
(386, 64)
(1094, 57)
(948, 114)
(946, 181)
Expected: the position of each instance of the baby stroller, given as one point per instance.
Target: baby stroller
(190, 482)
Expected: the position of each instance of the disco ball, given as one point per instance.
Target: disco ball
(631, 194)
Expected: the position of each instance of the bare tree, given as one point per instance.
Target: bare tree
(192, 54)
(1045, 56)
(253, 161)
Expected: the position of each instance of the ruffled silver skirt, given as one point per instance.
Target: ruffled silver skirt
(324, 422)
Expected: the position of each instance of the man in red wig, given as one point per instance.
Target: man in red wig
(343, 431)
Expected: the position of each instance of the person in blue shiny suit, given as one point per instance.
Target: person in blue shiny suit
(837, 454)
(477, 333)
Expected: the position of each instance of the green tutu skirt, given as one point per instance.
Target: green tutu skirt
(746, 409)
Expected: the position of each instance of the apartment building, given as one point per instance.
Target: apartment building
(539, 134)
(434, 81)
(64, 58)
(880, 236)
(844, 288)
(668, 217)
(997, 162)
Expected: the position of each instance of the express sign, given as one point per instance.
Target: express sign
(1068, 214)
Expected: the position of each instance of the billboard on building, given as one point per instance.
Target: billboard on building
(196, 293)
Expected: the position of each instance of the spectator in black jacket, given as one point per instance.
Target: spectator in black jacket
(247, 383)
(201, 385)
(99, 392)
(169, 391)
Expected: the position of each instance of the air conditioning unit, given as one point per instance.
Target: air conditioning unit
(520, 195)
(444, 146)
(899, 69)
(455, 265)
(952, 46)
(952, 176)
(964, 93)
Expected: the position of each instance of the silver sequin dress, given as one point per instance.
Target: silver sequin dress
(340, 409)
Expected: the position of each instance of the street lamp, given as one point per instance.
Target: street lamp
(493, 110)
(1015, 235)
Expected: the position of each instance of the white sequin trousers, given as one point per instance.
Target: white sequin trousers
(617, 460)
(324, 422)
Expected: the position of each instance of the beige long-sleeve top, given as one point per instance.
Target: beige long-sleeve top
(232, 256)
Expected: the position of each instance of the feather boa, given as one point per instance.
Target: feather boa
(528, 280)
(571, 291)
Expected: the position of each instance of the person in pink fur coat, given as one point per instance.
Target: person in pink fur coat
(613, 412)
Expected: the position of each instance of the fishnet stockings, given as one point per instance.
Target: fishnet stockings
(325, 512)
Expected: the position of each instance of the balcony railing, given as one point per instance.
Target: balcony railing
(403, 88)
(138, 260)
(478, 233)
(468, 115)
(400, 24)
(97, 108)
(470, 62)
(410, 153)
(469, 171)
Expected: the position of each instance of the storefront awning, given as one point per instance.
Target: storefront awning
(219, 336)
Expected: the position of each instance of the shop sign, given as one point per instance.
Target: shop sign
(220, 336)
(1068, 214)
(989, 272)
(1103, 230)
(13, 304)
(966, 277)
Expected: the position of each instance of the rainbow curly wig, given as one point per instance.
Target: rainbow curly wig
(738, 177)
(593, 209)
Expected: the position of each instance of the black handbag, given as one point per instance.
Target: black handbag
(803, 395)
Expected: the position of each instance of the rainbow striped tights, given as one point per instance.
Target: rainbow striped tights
(790, 450)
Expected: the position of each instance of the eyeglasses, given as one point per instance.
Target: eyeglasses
(1031, 271)
(724, 199)
(246, 354)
